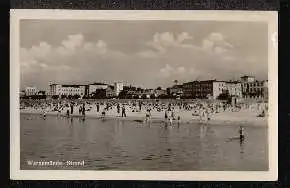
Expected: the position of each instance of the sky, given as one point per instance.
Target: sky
(143, 53)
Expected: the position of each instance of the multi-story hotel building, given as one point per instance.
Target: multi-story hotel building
(252, 88)
(204, 89)
(65, 89)
(30, 91)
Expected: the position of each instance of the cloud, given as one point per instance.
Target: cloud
(164, 58)
(216, 43)
(162, 41)
(73, 42)
(167, 70)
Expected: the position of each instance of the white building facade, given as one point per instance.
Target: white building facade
(219, 87)
(234, 89)
(61, 89)
(30, 91)
(118, 87)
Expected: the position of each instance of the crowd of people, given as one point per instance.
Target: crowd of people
(172, 110)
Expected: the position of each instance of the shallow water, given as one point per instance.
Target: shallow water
(129, 145)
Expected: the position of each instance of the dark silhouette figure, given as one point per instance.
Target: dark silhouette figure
(123, 111)
(71, 109)
(98, 107)
(118, 108)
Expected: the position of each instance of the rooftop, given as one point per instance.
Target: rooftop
(68, 85)
(246, 76)
(98, 83)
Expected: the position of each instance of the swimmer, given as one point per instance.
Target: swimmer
(147, 116)
(44, 114)
(242, 133)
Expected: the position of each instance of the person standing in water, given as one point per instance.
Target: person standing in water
(44, 114)
(123, 111)
(242, 133)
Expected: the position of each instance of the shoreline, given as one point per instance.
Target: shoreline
(216, 119)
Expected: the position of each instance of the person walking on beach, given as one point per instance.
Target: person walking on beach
(178, 120)
(80, 110)
(71, 108)
(140, 106)
(98, 107)
(123, 111)
(67, 112)
(118, 108)
(84, 110)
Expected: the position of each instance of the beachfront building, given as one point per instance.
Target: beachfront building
(29, 91)
(207, 89)
(93, 88)
(252, 88)
(67, 90)
(234, 89)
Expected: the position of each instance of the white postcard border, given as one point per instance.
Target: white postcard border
(270, 17)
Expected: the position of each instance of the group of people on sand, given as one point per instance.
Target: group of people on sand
(173, 110)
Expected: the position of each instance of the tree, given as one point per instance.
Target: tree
(163, 96)
(99, 94)
(175, 82)
(123, 94)
(76, 96)
(152, 96)
(224, 96)
(63, 96)
(144, 96)
(159, 88)
(55, 97)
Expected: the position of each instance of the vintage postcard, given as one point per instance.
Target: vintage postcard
(144, 95)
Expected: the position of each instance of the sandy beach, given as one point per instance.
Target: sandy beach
(242, 117)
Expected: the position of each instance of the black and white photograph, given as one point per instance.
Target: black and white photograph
(175, 96)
